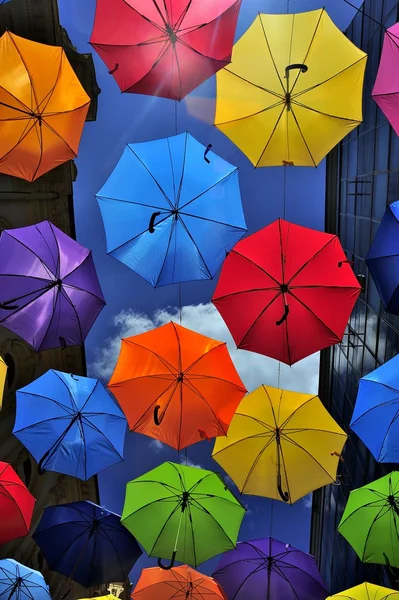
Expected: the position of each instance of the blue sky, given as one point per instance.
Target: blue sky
(133, 305)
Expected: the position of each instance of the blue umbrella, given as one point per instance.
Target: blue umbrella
(70, 424)
(375, 417)
(86, 543)
(18, 582)
(171, 210)
(383, 259)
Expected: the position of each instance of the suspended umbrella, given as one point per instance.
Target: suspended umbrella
(292, 91)
(179, 583)
(383, 259)
(163, 48)
(70, 424)
(16, 505)
(280, 445)
(366, 591)
(265, 569)
(21, 583)
(386, 87)
(171, 210)
(49, 291)
(3, 375)
(107, 597)
(182, 513)
(286, 291)
(86, 543)
(43, 108)
(369, 522)
(176, 385)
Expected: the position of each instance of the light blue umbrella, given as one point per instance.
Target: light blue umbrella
(70, 424)
(18, 582)
(171, 210)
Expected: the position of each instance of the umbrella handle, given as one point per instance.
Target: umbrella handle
(303, 68)
(285, 315)
(112, 71)
(209, 146)
(157, 419)
(6, 306)
(170, 565)
(152, 221)
(284, 495)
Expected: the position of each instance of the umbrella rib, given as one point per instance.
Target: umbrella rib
(27, 71)
(235, 170)
(102, 532)
(23, 135)
(310, 47)
(14, 312)
(195, 390)
(182, 169)
(320, 112)
(285, 324)
(296, 410)
(271, 55)
(50, 93)
(255, 462)
(318, 318)
(197, 376)
(55, 132)
(172, 170)
(163, 360)
(33, 425)
(27, 111)
(175, 509)
(63, 293)
(172, 229)
(141, 419)
(161, 208)
(369, 410)
(73, 401)
(291, 441)
(151, 175)
(233, 251)
(95, 428)
(387, 432)
(305, 264)
(369, 531)
(203, 355)
(7, 494)
(130, 240)
(213, 221)
(265, 289)
(258, 112)
(195, 244)
(257, 318)
(302, 136)
(271, 135)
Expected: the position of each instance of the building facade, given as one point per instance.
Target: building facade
(362, 178)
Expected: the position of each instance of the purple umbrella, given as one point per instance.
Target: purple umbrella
(49, 291)
(266, 570)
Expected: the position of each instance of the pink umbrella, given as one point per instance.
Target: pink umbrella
(386, 87)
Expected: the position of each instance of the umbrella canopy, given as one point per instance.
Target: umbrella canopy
(3, 375)
(286, 291)
(16, 505)
(86, 543)
(383, 259)
(164, 48)
(366, 591)
(182, 513)
(386, 87)
(265, 569)
(292, 91)
(280, 445)
(43, 108)
(21, 583)
(70, 424)
(176, 385)
(369, 522)
(374, 417)
(179, 583)
(49, 290)
(171, 210)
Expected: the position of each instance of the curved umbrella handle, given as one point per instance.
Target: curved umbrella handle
(157, 419)
(152, 221)
(40, 469)
(285, 315)
(303, 68)
(349, 262)
(6, 306)
(283, 495)
(209, 146)
(112, 71)
(170, 565)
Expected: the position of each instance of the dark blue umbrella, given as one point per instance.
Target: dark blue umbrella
(383, 259)
(70, 424)
(86, 543)
(18, 582)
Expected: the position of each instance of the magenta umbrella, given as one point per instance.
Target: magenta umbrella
(386, 87)
(49, 291)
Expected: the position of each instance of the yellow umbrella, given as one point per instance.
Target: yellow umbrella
(366, 591)
(107, 597)
(3, 374)
(292, 91)
(280, 445)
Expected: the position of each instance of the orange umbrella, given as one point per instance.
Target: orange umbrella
(176, 385)
(181, 583)
(43, 107)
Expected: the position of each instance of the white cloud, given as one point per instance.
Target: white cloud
(189, 463)
(254, 369)
(156, 445)
(307, 501)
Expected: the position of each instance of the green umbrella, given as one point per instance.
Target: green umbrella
(182, 513)
(370, 522)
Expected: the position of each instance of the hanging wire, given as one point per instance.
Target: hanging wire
(360, 9)
(176, 129)
(180, 305)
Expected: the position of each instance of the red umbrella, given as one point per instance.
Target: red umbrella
(16, 505)
(286, 291)
(164, 47)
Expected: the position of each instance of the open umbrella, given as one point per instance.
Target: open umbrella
(3, 375)
(171, 210)
(18, 582)
(179, 583)
(369, 522)
(43, 107)
(164, 48)
(292, 91)
(16, 505)
(176, 385)
(366, 591)
(267, 569)
(70, 424)
(286, 291)
(182, 513)
(383, 259)
(386, 87)
(280, 445)
(86, 543)
(49, 290)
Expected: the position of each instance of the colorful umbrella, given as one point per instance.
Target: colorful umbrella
(265, 569)
(49, 290)
(386, 87)
(179, 583)
(86, 543)
(21, 583)
(292, 91)
(164, 48)
(375, 414)
(171, 213)
(3, 376)
(182, 513)
(366, 591)
(107, 597)
(43, 107)
(16, 505)
(286, 291)
(280, 445)
(383, 259)
(176, 385)
(70, 424)
(369, 522)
